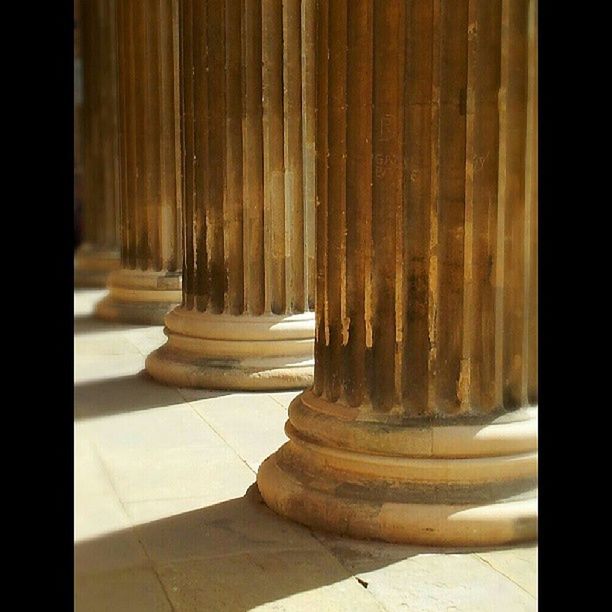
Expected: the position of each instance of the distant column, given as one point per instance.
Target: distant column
(148, 284)
(421, 425)
(99, 251)
(247, 318)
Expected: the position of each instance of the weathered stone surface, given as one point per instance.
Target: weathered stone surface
(421, 425)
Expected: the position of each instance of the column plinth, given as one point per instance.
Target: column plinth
(458, 484)
(246, 319)
(228, 352)
(98, 254)
(93, 264)
(140, 296)
(421, 425)
(148, 284)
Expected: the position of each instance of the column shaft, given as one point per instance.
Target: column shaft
(149, 282)
(246, 318)
(99, 253)
(421, 424)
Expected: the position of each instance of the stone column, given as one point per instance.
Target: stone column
(246, 320)
(99, 250)
(421, 424)
(149, 282)
(77, 124)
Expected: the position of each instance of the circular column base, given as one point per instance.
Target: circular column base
(137, 296)
(222, 351)
(472, 484)
(93, 265)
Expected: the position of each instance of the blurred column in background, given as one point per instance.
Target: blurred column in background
(78, 130)
(148, 284)
(96, 144)
(421, 425)
(247, 81)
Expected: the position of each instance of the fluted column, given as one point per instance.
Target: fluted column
(246, 320)
(149, 282)
(99, 251)
(77, 125)
(421, 424)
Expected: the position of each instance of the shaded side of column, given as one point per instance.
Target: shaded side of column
(100, 140)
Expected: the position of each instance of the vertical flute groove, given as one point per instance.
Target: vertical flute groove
(397, 200)
(388, 155)
(531, 188)
(308, 148)
(174, 214)
(336, 195)
(432, 254)
(484, 35)
(126, 154)
(200, 157)
(358, 191)
(164, 175)
(514, 195)
(233, 210)
(214, 188)
(465, 390)
(451, 212)
(253, 159)
(187, 132)
(152, 139)
(295, 263)
(130, 233)
(418, 139)
(321, 310)
(140, 115)
(273, 147)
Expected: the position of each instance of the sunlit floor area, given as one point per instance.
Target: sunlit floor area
(167, 516)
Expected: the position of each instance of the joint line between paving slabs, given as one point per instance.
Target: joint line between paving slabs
(235, 451)
(133, 527)
(504, 575)
(285, 406)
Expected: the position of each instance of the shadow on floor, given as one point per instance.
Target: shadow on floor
(234, 555)
(111, 396)
(89, 324)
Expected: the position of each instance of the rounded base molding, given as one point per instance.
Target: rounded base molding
(137, 296)
(92, 266)
(440, 493)
(221, 351)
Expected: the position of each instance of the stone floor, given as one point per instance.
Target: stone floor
(167, 518)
